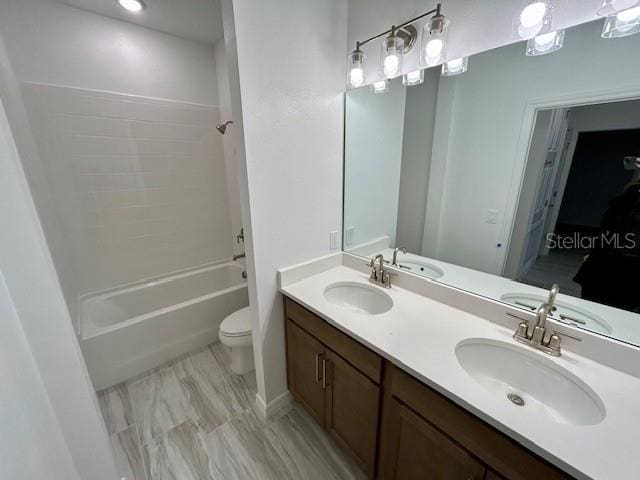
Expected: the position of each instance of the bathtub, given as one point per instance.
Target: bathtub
(127, 331)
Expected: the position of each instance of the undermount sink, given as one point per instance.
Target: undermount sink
(358, 297)
(562, 311)
(524, 379)
(421, 268)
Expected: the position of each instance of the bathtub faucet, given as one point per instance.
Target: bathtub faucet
(236, 257)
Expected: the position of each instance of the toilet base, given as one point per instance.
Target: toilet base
(241, 360)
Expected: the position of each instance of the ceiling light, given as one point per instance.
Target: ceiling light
(132, 5)
(413, 78)
(610, 7)
(391, 54)
(534, 18)
(381, 86)
(622, 24)
(434, 40)
(355, 68)
(545, 43)
(455, 67)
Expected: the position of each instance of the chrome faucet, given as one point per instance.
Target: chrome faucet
(536, 338)
(394, 262)
(379, 275)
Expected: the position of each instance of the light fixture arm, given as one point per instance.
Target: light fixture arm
(395, 28)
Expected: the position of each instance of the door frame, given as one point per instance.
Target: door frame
(524, 142)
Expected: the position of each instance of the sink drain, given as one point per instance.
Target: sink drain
(516, 399)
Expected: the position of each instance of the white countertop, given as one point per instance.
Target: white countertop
(419, 335)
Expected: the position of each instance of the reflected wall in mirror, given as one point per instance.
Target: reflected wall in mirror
(519, 174)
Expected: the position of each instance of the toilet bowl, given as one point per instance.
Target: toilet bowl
(235, 333)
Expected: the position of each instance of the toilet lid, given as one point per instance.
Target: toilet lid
(237, 324)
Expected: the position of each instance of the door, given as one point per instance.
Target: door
(416, 450)
(351, 412)
(544, 190)
(305, 356)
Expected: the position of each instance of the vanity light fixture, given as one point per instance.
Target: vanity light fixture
(413, 78)
(435, 34)
(392, 50)
(534, 19)
(134, 6)
(455, 67)
(381, 86)
(398, 41)
(622, 24)
(545, 43)
(611, 7)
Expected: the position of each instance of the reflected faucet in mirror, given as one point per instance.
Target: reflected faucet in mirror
(394, 262)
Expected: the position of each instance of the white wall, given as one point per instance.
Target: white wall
(475, 26)
(129, 174)
(291, 103)
(39, 305)
(485, 161)
(417, 144)
(373, 157)
(31, 445)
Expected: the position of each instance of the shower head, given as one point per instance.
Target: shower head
(223, 126)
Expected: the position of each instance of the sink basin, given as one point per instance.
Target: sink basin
(421, 268)
(524, 379)
(563, 312)
(358, 297)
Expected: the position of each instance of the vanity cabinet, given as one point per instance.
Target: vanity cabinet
(394, 426)
(336, 380)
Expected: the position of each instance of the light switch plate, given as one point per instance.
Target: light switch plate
(349, 233)
(334, 240)
(492, 216)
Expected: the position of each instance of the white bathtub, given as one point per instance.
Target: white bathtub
(127, 331)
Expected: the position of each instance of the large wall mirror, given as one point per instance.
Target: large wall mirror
(521, 173)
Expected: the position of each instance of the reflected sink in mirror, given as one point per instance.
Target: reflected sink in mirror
(422, 268)
(358, 298)
(562, 311)
(525, 379)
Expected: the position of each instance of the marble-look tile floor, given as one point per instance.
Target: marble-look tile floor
(193, 419)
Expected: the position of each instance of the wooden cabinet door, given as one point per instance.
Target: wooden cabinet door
(351, 412)
(305, 355)
(491, 475)
(415, 450)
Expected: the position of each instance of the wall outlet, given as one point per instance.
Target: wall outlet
(349, 234)
(334, 240)
(492, 216)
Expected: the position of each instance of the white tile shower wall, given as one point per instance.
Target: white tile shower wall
(139, 184)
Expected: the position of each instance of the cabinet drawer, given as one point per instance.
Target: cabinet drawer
(490, 446)
(356, 354)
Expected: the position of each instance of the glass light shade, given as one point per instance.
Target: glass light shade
(380, 86)
(534, 19)
(391, 53)
(609, 7)
(455, 67)
(626, 22)
(355, 69)
(545, 43)
(435, 35)
(413, 78)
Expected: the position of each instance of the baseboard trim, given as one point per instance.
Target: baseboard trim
(275, 407)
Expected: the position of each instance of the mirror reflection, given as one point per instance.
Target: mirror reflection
(520, 174)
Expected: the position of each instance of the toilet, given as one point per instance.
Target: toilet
(235, 333)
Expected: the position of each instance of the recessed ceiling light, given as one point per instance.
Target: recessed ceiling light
(132, 5)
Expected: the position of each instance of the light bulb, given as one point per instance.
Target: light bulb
(629, 15)
(356, 77)
(545, 43)
(611, 7)
(380, 86)
(455, 67)
(391, 65)
(533, 14)
(454, 64)
(132, 5)
(413, 78)
(545, 40)
(434, 48)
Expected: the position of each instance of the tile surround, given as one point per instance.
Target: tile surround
(194, 420)
(138, 185)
